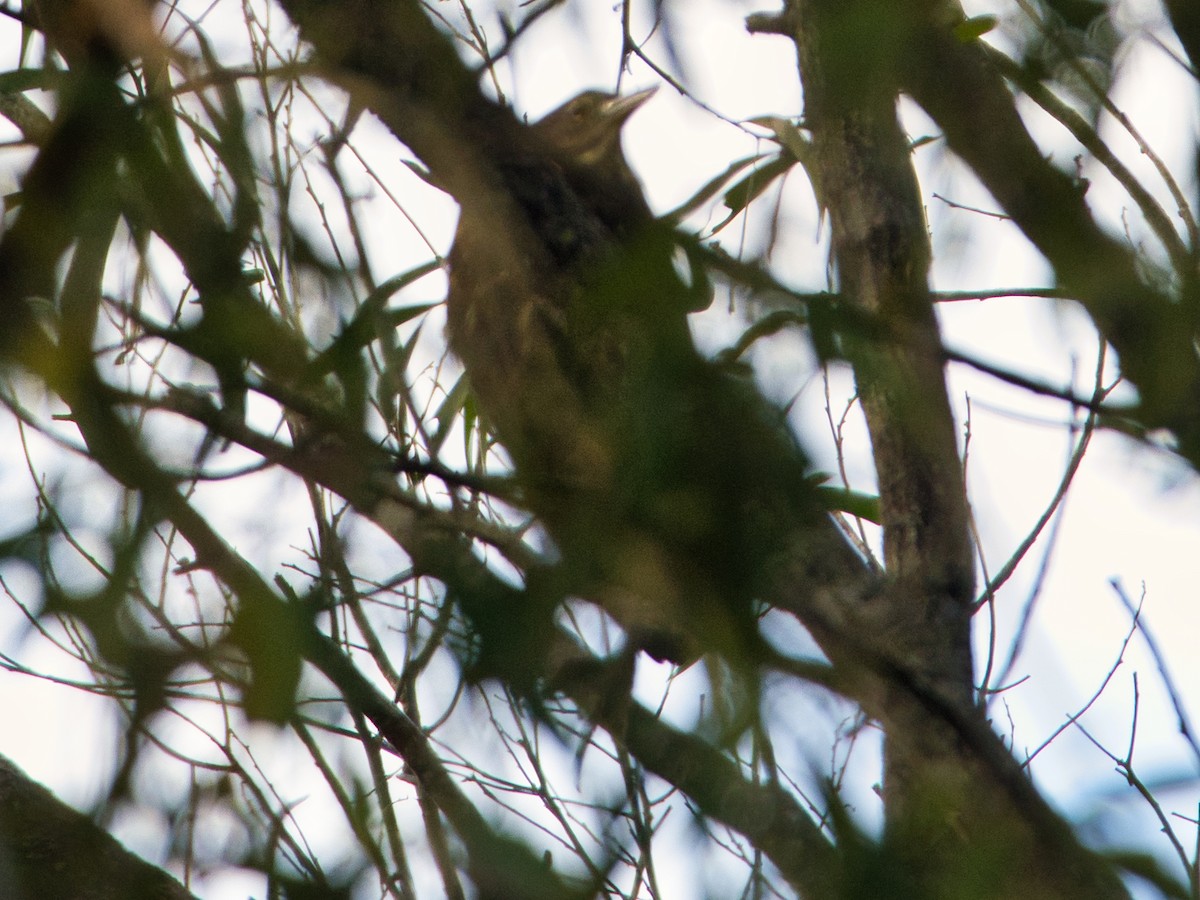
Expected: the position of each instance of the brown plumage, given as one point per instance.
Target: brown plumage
(628, 445)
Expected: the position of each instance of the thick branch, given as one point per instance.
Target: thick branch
(49, 851)
(941, 759)
(864, 173)
(1153, 333)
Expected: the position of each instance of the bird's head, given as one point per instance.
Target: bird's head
(586, 130)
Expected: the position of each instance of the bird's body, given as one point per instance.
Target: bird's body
(628, 444)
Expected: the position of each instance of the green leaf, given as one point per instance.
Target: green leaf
(424, 174)
(740, 195)
(971, 30)
(711, 187)
(371, 318)
(854, 503)
(18, 81)
(795, 147)
(448, 412)
(271, 633)
(788, 134)
(770, 324)
(398, 315)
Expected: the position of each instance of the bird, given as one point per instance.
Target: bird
(647, 463)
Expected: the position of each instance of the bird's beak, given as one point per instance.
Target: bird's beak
(621, 108)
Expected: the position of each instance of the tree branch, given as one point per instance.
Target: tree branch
(1153, 333)
(49, 851)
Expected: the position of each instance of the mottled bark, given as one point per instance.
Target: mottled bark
(955, 810)
(48, 851)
